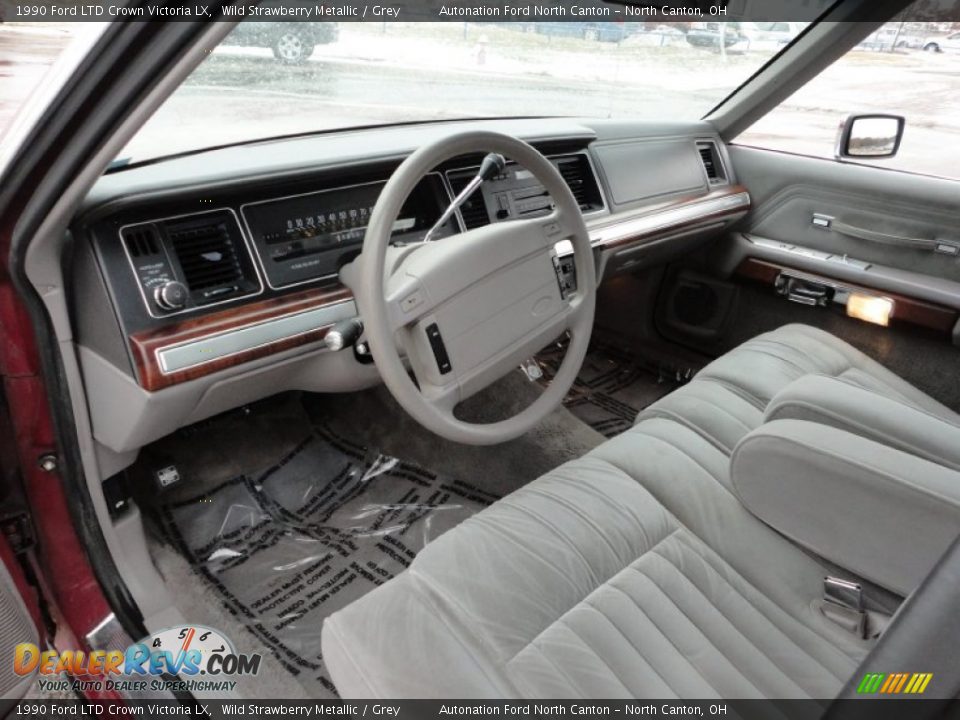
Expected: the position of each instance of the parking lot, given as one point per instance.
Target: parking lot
(395, 72)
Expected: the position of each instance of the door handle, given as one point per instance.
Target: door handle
(825, 222)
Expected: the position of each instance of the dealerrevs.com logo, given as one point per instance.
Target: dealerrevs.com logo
(203, 657)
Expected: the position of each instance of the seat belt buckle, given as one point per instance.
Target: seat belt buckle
(843, 604)
(843, 592)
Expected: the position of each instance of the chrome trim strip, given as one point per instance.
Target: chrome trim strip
(338, 188)
(808, 253)
(665, 219)
(193, 353)
(199, 308)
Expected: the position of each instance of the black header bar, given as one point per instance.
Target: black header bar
(499, 11)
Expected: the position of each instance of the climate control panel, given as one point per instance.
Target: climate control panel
(190, 261)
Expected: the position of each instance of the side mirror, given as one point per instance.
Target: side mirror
(870, 136)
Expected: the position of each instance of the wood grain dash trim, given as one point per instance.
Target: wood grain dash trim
(145, 345)
(906, 310)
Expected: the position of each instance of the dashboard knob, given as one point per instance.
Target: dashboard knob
(172, 295)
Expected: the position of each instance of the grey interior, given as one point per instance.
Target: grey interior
(698, 425)
(653, 566)
(667, 501)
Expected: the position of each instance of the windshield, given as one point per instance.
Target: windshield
(272, 79)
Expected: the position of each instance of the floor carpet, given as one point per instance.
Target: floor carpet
(611, 388)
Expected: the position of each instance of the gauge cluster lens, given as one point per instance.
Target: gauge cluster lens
(305, 237)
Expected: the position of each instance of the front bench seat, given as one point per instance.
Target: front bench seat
(629, 572)
(728, 398)
(633, 571)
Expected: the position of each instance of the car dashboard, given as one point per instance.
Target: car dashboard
(205, 282)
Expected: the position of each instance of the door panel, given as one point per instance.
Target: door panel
(778, 241)
(903, 219)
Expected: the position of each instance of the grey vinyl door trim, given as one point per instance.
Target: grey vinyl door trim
(856, 214)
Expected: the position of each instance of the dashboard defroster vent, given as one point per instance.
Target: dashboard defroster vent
(712, 163)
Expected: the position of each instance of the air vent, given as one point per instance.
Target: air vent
(578, 174)
(474, 210)
(141, 241)
(712, 163)
(209, 256)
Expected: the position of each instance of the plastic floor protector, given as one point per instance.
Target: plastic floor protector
(288, 545)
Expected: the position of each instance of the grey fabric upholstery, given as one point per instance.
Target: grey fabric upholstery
(889, 420)
(632, 571)
(728, 398)
(629, 572)
(882, 513)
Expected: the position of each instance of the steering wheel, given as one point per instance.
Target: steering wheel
(469, 308)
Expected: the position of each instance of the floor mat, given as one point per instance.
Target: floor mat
(287, 545)
(374, 418)
(612, 387)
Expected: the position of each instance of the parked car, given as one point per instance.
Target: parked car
(708, 35)
(892, 38)
(292, 43)
(949, 43)
(770, 35)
